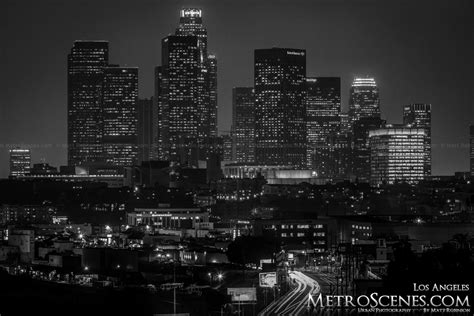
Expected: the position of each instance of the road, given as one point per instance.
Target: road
(326, 281)
(295, 301)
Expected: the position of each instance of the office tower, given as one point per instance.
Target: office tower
(243, 124)
(145, 129)
(397, 155)
(160, 150)
(323, 107)
(86, 64)
(20, 162)
(361, 146)
(419, 116)
(471, 138)
(280, 107)
(364, 115)
(190, 24)
(344, 127)
(228, 148)
(120, 98)
(212, 71)
(364, 100)
(339, 164)
(187, 86)
(178, 104)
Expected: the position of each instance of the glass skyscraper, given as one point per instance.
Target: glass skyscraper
(397, 155)
(323, 107)
(419, 116)
(243, 124)
(86, 64)
(120, 104)
(212, 70)
(179, 110)
(363, 100)
(145, 129)
(280, 107)
(364, 115)
(186, 93)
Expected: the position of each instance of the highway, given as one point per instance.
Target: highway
(295, 301)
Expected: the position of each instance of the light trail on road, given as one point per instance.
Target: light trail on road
(295, 301)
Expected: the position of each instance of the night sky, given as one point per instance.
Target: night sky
(418, 51)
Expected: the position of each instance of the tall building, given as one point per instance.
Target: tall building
(397, 154)
(361, 146)
(20, 162)
(471, 138)
(86, 63)
(190, 24)
(363, 100)
(120, 101)
(323, 108)
(345, 128)
(157, 122)
(280, 107)
(228, 148)
(145, 129)
(186, 93)
(364, 115)
(419, 116)
(178, 104)
(243, 124)
(212, 68)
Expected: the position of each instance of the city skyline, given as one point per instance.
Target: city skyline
(447, 130)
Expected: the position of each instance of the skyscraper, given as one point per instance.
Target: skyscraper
(280, 107)
(361, 146)
(187, 85)
(212, 71)
(120, 98)
(397, 154)
(471, 139)
(419, 116)
(20, 162)
(179, 110)
(364, 115)
(145, 129)
(243, 124)
(323, 107)
(160, 143)
(190, 24)
(364, 100)
(228, 148)
(86, 64)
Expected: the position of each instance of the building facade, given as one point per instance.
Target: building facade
(20, 162)
(397, 155)
(364, 101)
(243, 124)
(364, 115)
(178, 99)
(471, 155)
(280, 107)
(186, 93)
(120, 103)
(323, 107)
(145, 129)
(86, 63)
(419, 116)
